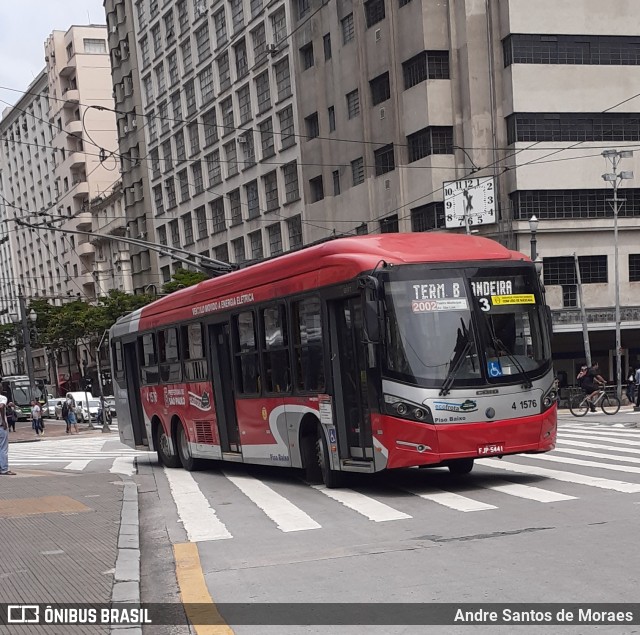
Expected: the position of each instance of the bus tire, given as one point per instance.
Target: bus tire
(460, 467)
(312, 472)
(162, 446)
(331, 478)
(188, 462)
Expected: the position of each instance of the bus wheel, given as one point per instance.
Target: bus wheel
(188, 462)
(460, 466)
(331, 478)
(164, 452)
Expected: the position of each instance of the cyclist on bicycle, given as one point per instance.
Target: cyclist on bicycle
(591, 382)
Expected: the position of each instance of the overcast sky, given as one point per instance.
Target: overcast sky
(24, 27)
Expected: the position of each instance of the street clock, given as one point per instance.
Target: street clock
(469, 201)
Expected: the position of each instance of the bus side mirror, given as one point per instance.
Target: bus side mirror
(372, 312)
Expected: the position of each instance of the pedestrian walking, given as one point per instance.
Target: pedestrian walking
(71, 419)
(36, 418)
(12, 416)
(638, 387)
(4, 440)
(631, 386)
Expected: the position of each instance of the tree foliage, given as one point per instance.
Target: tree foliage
(182, 278)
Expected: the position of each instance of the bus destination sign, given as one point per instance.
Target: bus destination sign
(441, 295)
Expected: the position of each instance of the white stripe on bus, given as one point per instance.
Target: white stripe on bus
(284, 513)
(196, 515)
(527, 491)
(559, 475)
(365, 505)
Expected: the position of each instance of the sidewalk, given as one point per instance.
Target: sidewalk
(54, 428)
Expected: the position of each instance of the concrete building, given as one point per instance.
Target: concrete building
(131, 138)
(84, 144)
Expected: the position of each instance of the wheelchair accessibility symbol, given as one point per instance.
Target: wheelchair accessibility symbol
(332, 435)
(494, 368)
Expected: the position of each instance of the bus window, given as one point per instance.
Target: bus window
(149, 371)
(308, 345)
(246, 354)
(275, 349)
(118, 362)
(169, 354)
(195, 364)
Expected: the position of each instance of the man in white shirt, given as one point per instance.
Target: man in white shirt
(4, 440)
(36, 417)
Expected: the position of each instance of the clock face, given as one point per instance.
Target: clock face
(469, 201)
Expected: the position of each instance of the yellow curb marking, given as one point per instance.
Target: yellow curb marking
(17, 507)
(193, 590)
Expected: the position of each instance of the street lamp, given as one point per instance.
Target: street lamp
(533, 227)
(615, 178)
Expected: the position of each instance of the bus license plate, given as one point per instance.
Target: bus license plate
(491, 448)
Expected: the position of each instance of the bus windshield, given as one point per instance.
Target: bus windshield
(21, 394)
(468, 327)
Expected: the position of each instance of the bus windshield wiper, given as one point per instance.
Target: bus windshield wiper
(456, 360)
(498, 344)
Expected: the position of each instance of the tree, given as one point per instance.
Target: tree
(182, 278)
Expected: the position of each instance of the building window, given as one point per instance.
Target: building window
(331, 111)
(214, 171)
(236, 207)
(187, 228)
(155, 163)
(263, 92)
(176, 106)
(380, 89)
(224, 72)
(217, 213)
(147, 86)
(610, 126)
(181, 154)
(562, 271)
(231, 157)
(222, 253)
(270, 181)
(242, 64)
(205, 77)
(210, 124)
(326, 43)
(426, 65)
(374, 12)
(185, 51)
(306, 56)
(220, 22)
(623, 50)
(312, 126)
(259, 39)
(336, 182)
(183, 181)
(558, 204)
(158, 200)
(287, 130)
(174, 230)
(238, 250)
(201, 221)
(251, 192)
(243, 96)
(348, 31)
(255, 6)
(294, 226)
(291, 188)
(634, 267)
(304, 6)
(384, 159)
(190, 96)
(283, 78)
(237, 15)
(157, 40)
(403, 3)
(357, 171)
(427, 217)
(183, 15)
(167, 156)
(255, 240)
(170, 188)
(162, 235)
(248, 148)
(194, 138)
(198, 181)
(389, 225)
(169, 31)
(163, 115)
(266, 138)
(432, 140)
(144, 51)
(279, 26)
(353, 104)
(202, 41)
(317, 189)
(274, 234)
(226, 107)
(174, 75)
(160, 81)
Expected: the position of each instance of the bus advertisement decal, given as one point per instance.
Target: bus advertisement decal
(424, 306)
(520, 298)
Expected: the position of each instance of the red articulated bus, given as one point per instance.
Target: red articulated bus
(356, 355)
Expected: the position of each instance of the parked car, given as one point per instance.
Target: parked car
(83, 414)
(52, 409)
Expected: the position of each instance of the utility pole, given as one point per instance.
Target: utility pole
(105, 423)
(583, 313)
(615, 177)
(26, 340)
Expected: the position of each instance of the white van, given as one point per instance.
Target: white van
(80, 405)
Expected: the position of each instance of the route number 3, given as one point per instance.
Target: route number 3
(484, 304)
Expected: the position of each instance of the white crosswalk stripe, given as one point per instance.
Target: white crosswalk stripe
(363, 504)
(527, 491)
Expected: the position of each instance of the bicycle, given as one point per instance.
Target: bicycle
(608, 403)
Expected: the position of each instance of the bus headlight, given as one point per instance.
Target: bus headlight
(549, 398)
(398, 407)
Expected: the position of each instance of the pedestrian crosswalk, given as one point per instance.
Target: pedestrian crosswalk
(74, 454)
(609, 460)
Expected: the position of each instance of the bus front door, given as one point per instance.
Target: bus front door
(223, 392)
(350, 380)
(132, 374)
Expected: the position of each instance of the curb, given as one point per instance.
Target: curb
(126, 579)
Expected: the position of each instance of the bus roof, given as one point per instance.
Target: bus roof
(312, 267)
